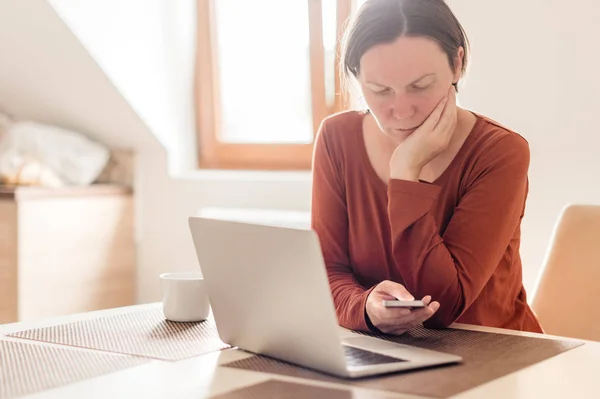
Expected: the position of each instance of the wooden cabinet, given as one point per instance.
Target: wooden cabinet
(65, 251)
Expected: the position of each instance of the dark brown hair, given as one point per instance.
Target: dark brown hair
(384, 21)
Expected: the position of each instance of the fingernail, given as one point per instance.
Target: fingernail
(435, 306)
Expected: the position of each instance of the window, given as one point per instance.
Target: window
(266, 77)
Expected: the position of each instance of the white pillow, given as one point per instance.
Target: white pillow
(72, 157)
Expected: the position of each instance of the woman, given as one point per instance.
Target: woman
(417, 197)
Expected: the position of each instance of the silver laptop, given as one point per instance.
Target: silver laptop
(270, 295)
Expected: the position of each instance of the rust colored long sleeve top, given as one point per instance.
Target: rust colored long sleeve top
(456, 239)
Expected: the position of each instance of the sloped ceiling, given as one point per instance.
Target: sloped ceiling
(48, 76)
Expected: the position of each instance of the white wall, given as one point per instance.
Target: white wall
(167, 202)
(533, 70)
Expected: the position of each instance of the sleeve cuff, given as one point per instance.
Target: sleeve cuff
(364, 324)
(418, 189)
(409, 201)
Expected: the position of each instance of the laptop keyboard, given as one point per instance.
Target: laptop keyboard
(359, 357)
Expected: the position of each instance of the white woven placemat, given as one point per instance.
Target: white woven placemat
(141, 333)
(26, 368)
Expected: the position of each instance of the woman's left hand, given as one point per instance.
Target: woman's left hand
(427, 141)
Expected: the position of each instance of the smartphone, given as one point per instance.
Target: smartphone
(403, 304)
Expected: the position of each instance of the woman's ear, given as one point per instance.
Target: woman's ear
(458, 64)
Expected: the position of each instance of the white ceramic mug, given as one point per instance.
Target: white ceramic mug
(184, 297)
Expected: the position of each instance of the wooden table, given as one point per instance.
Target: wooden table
(573, 374)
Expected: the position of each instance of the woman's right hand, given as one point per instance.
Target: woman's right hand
(396, 320)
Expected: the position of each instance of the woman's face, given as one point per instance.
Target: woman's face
(403, 81)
